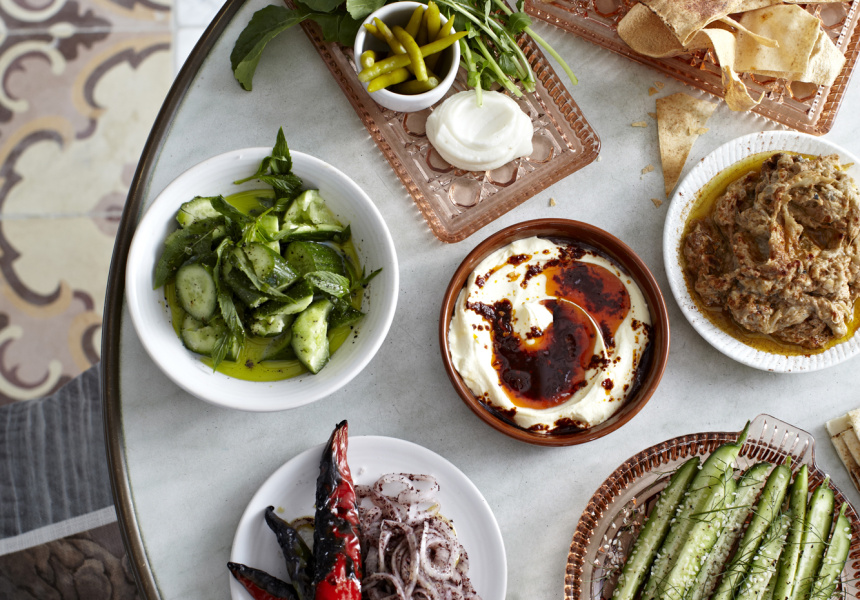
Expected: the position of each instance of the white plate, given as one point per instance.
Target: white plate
(292, 488)
(683, 201)
(151, 315)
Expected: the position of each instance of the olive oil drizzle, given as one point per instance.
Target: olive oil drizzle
(703, 208)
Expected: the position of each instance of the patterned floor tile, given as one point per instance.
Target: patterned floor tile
(88, 566)
(68, 151)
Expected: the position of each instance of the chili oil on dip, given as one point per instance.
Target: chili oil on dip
(550, 334)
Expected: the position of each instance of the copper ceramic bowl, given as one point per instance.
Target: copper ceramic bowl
(621, 254)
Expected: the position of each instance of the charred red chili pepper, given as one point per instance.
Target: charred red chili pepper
(298, 557)
(336, 546)
(260, 584)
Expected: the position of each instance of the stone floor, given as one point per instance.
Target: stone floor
(81, 82)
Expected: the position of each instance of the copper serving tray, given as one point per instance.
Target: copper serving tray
(613, 517)
(802, 106)
(456, 203)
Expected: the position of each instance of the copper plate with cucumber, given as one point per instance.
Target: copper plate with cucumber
(729, 516)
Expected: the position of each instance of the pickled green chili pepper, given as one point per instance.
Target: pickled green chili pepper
(368, 57)
(402, 60)
(414, 52)
(392, 78)
(415, 21)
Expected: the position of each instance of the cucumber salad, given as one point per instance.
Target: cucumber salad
(266, 284)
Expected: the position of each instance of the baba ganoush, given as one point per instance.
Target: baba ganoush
(550, 334)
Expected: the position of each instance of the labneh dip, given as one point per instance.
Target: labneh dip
(550, 334)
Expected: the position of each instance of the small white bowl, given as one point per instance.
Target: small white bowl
(683, 202)
(151, 315)
(398, 13)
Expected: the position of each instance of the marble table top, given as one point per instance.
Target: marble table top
(193, 467)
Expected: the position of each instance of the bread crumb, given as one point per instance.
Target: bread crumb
(598, 158)
(652, 91)
(659, 84)
(639, 124)
(657, 202)
(552, 201)
(648, 169)
(702, 130)
(653, 115)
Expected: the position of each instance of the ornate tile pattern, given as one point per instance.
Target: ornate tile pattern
(80, 84)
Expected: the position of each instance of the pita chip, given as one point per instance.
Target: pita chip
(825, 64)
(794, 29)
(679, 119)
(646, 33)
(724, 43)
(686, 17)
(847, 445)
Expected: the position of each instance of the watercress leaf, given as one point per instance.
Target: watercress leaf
(323, 6)
(508, 64)
(340, 28)
(358, 9)
(518, 22)
(266, 23)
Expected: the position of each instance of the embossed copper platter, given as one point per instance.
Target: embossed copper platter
(456, 203)
(614, 514)
(802, 106)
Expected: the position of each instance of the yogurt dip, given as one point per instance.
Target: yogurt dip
(550, 334)
(480, 138)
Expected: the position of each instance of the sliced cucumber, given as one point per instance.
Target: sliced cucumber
(242, 287)
(766, 510)
(196, 209)
(307, 257)
(202, 338)
(194, 240)
(309, 208)
(272, 325)
(196, 291)
(298, 298)
(309, 335)
(343, 313)
(279, 348)
(268, 224)
(748, 488)
(654, 531)
(816, 529)
(269, 267)
(314, 233)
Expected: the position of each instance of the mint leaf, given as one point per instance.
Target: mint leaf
(358, 9)
(330, 283)
(264, 26)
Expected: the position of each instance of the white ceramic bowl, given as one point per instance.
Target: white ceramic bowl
(151, 315)
(398, 13)
(683, 201)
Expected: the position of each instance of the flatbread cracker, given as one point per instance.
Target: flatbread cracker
(679, 118)
(794, 29)
(685, 17)
(646, 33)
(838, 425)
(825, 64)
(851, 465)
